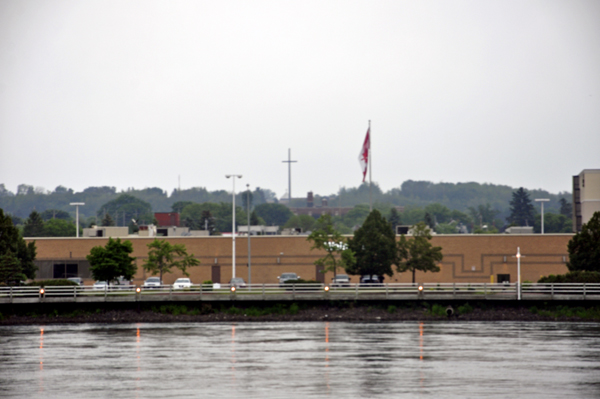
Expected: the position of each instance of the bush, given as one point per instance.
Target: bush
(51, 283)
(392, 309)
(572, 277)
(464, 309)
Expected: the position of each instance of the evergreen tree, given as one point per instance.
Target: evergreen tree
(13, 246)
(521, 209)
(107, 220)
(374, 247)
(566, 208)
(584, 247)
(207, 222)
(34, 225)
(394, 219)
(429, 220)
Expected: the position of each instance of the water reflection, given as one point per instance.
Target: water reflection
(41, 381)
(349, 360)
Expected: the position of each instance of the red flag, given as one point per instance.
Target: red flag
(363, 157)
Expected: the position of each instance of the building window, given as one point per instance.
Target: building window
(65, 270)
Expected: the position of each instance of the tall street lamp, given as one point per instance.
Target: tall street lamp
(77, 204)
(233, 225)
(518, 256)
(248, 231)
(542, 200)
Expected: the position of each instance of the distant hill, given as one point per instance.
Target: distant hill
(459, 196)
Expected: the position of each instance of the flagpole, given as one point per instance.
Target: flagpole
(370, 166)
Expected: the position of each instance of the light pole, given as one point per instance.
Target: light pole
(77, 204)
(249, 259)
(518, 273)
(542, 200)
(233, 225)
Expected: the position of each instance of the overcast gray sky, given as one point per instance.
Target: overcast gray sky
(138, 93)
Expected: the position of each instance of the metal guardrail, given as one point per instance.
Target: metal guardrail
(276, 292)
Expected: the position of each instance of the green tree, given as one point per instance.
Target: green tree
(484, 215)
(374, 247)
(10, 269)
(429, 220)
(418, 253)
(59, 228)
(566, 208)
(126, 207)
(255, 220)
(394, 219)
(273, 214)
(440, 213)
(521, 209)
(13, 245)
(34, 225)
(179, 205)
(304, 222)
(334, 244)
(163, 256)
(49, 214)
(107, 220)
(584, 247)
(112, 261)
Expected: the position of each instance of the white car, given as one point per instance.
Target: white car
(152, 282)
(100, 285)
(182, 283)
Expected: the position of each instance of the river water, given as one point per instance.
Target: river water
(306, 359)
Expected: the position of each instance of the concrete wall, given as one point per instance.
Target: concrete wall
(467, 258)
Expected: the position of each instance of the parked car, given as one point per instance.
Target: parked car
(371, 281)
(76, 280)
(237, 282)
(182, 283)
(100, 285)
(287, 277)
(340, 280)
(152, 282)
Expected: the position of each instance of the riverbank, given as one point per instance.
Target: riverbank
(347, 312)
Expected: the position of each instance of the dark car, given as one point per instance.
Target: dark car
(371, 281)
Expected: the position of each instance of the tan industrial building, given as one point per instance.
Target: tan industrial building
(467, 258)
(586, 197)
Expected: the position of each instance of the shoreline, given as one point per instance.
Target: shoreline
(362, 313)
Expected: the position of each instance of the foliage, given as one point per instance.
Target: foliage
(584, 247)
(49, 214)
(14, 248)
(572, 277)
(10, 269)
(107, 220)
(179, 205)
(521, 209)
(255, 220)
(566, 208)
(394, 218)
(464, 309)
(374, 247)
(126, 207)
(162, 258)
(304, 222)
(273, 214)
(59, 228)
(418, 253)
(51, 283)
(337, 253)
(34, 225)
(554, 223)
(218, 216)
(112, 261)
